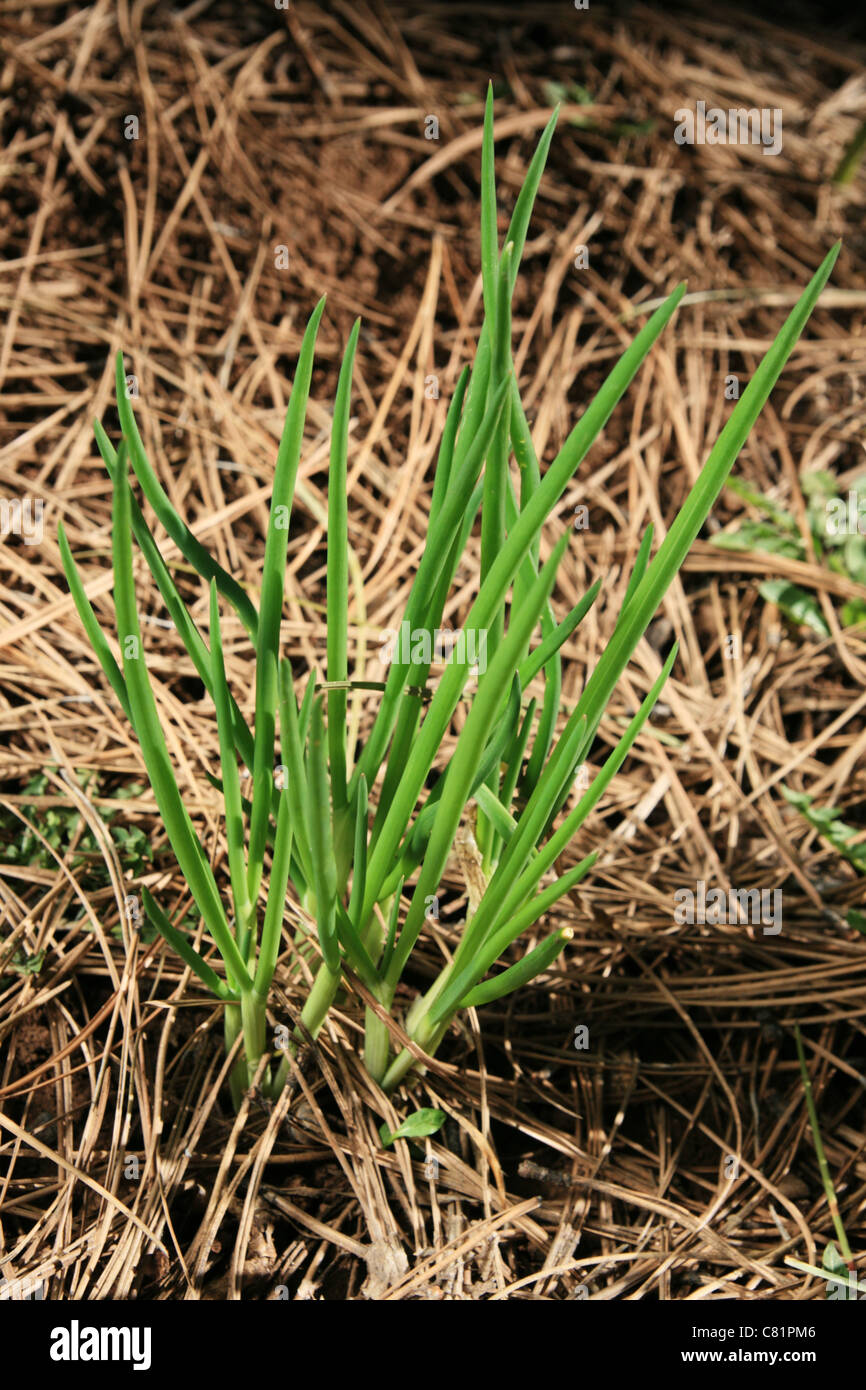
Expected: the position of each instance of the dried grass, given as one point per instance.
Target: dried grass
(558, 1168)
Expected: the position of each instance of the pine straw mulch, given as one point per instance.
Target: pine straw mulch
(671, 1159)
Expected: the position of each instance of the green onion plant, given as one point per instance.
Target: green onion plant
(363, 833)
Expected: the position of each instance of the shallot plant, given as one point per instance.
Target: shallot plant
(363, 833)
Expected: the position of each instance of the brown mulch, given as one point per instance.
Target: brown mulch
(281, 155)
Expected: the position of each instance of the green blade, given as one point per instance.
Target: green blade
(356, 952)
(415, 844)
(338, 574)
(359, 862)
(496, 467)
(184, 841)
(676, 544)
(515, 755)
(464, 977)
(391, 935)
(572, 823)
(464, 763)
(321, 840)
(98, 641)
(502, 821)
(231, 782)
(445, 454)
(519, 224)
(530, 477)
(516, 976)
(293, 754)
(418, 674)
(555, 639)
(496, 488)
(271, 608)
(517, 230)
(489, 232)
(273, 924)
(436, 554)
(192, 549)
(186, 628)
(187, 953)
(640, 565)
(494, 588)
